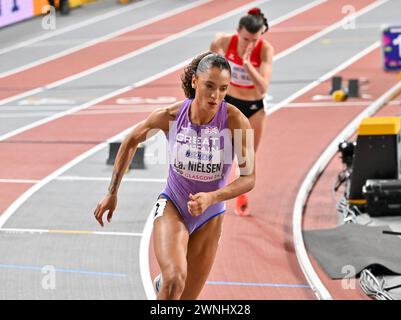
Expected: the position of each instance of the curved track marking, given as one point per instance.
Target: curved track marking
(69, 232)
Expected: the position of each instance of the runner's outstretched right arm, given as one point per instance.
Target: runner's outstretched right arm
(157, 120)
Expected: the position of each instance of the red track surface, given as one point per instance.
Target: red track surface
(10, 192)
(255, 249)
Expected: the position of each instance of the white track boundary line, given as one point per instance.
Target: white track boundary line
(69, 232)
(125, 179)
(32, 114)
(346, 104)
(106, 37)
(131, 54)
(77, 26)
(23, 181)
(78, 178)
(314, 281)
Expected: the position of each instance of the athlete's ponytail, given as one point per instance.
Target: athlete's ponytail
(200, 64)
(254, 21)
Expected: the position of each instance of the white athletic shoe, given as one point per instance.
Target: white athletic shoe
(157, 283)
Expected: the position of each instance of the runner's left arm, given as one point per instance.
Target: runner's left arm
(244, 148)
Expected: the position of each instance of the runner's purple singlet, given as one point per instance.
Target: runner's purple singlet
(200, 159)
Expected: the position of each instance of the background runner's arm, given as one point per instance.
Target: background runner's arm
(244, 148)
(261, 78)
(158, 119)
(218, 44)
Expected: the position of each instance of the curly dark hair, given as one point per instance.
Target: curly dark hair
(254, 21)
(199, 64)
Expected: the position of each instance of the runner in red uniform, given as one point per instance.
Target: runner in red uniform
(250, 57)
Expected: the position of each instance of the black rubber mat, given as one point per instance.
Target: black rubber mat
(345, 251)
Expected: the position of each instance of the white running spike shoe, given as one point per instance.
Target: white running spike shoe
(157, 283)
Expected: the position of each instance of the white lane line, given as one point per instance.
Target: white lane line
(116, 109)
(326, 76)
(132, 54)
(345, 104)
(78, 178)
(24, 115)
(41, 114)
(19, 181)
(317, 285)
(79, 25)
(316, 27)
(54, 108)
(69, 232)
(106, 37)
(125, 179)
